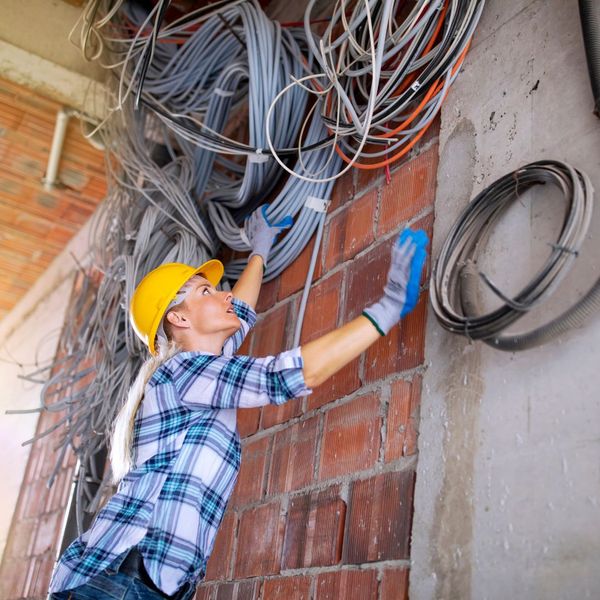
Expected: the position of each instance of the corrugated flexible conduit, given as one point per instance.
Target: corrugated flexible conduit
(589, 12)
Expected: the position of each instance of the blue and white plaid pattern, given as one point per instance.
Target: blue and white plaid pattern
(186, 453)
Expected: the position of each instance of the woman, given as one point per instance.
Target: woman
(175, 449)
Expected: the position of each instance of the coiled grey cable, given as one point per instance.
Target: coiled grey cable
(455, 276)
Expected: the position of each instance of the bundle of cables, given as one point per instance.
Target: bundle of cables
(386, 68)
(195, 143)
(455, 277)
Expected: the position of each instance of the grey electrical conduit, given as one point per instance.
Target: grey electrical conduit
(589, 12)
(455, 277)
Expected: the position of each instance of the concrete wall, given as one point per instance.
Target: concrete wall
(507, 501)
(29, 336)
(42, 27)
(35, 51)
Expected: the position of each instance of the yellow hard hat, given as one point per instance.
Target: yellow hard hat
(155, 291)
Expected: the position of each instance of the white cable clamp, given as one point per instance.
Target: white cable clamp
(415, 86)
(317, 204)
(258, 156)
(223, 93)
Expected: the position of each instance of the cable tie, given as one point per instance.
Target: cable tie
(258, 156)
(222, 92)
(415, 86)
(467, 332)
(317, 204)
(563, 249)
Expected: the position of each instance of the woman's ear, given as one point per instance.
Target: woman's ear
(178, 319)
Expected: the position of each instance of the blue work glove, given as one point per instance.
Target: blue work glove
(261, 233)
(401, 291)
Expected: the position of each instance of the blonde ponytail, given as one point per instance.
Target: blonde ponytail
(122, 435)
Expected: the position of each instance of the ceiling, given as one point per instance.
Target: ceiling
(35, 224)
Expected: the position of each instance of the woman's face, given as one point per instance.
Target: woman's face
(209, 310)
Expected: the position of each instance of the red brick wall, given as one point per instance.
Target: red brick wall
(34, 537)
(323, 505)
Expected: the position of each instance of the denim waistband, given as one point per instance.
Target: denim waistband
(133, 564)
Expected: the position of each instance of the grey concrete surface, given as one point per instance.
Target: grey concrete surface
(507, 501)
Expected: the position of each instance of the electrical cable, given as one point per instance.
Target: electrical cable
(455, 276)
(194, 144)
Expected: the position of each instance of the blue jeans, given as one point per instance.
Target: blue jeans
(113, 583)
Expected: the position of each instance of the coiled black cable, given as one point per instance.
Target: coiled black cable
(455, 276)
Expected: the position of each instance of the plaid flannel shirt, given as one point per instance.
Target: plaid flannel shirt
(186, 456)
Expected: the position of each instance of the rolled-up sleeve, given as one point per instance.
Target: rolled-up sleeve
(247, 317)
(241, 381)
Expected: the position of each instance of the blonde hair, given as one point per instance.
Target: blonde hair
(121, 459)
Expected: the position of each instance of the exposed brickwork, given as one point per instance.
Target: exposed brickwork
(351, 437)
(378, 524)
(249, 487)
(323, 504)
(36, 223)
(347, 584)
(260, 538)
(33, 539)
(314, 530)
(292, 461)
(290, 588)
(338, 470)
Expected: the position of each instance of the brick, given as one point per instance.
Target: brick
(403, 348)
(205, 592)
(269, 332)
(22, 537)
(226, 591)
(411, 189)
(293, 457)
(47, 533)
(268, 295)
(249, 486)
(322, 308)
(32, 568)
(290, 588)
(351, 230)
(36, 494)
(401, 439)
(366, 279)
(43, 574)
(343, 190)
(260, 536)
(13, 576)
(394, 585)
(368, 178)
(351, 437)
(219, 563)
(379, 518)
(274, 414)
(314, 530)
(248, 420)
(294, 277)
(340, 384)
(347, 584)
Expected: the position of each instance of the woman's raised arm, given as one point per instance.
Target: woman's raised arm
(328, 354)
